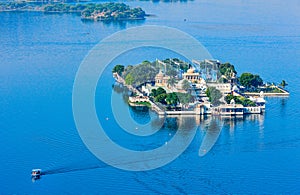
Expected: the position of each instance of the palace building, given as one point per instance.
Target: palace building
(193, 76)
(161, 80)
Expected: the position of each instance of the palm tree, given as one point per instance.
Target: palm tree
(172, 82)
(186, 85)
(283, 83)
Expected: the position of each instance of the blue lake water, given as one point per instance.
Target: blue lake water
(40, 55)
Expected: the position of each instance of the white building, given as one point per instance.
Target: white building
(225, 88)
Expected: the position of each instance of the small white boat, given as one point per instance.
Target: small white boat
(36, 173)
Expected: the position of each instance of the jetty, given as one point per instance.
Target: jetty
(281, 93)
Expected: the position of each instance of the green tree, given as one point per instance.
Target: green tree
(249, 80)
(172, 99)
(118, 69)
(141, 73)
(239, 100)
(161, 98)
(214, 95)
(256, 81)
(228, 98)
(171, 72)
(172, 82)
(186, 85)
(283, 83)
(246, 102)
(185, 98)
(146, 62)
(153, 93)
(128, 69)
(158, 91)
(227, 68)
(129, 79)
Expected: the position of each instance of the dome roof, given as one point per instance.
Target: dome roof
(160, 74)
(191, 70)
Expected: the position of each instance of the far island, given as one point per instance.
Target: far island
(88, 11)
(207, 87)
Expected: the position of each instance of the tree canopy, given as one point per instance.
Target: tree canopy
(111, 11)
(159, 95)
(185, 98)
(171, 72)
(186, 85)
(177, 64)
(118, 69)
(140, 74)
(239, 100)
(172, 99)
(161, 98)
(172, 82)
(249, 80)
(227, 68)
(158, 91)
(214, 95)
(283, 83)
(129, 79)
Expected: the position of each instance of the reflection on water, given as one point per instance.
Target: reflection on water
(120, 24)
(233, 122)
(210, 126)
(186, 123)
(282, 102)
(120, 89)
(213, 131)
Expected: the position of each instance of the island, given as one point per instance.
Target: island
(89, 11)
(207, 87)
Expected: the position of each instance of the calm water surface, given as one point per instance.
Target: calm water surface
(40, 55)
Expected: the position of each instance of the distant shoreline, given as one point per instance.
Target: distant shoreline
(90, 11)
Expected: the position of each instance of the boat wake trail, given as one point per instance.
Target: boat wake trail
(68, 169)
